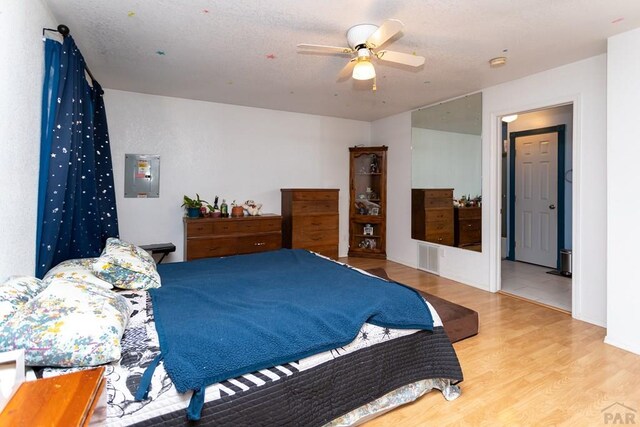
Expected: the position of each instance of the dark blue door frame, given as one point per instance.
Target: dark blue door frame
(560, 130)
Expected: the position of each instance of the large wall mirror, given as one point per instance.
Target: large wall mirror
(446, 173)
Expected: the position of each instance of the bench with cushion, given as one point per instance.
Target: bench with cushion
(459, 322)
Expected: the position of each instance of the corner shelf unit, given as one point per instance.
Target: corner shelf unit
(368, 202)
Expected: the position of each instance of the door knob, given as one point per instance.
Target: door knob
(552, 206)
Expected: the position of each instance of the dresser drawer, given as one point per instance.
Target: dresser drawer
(258, 243)
(315, 237)
(225, 246)
(315, 222)
(439, 214)
(311, 206)
(470, 237)
(330, 251)
(469, 213)
(315, 195)
(442, 237)
(467, 225)
(223, 227)
(444, 202)
(199, 228)
(438, 198)
(439, 227)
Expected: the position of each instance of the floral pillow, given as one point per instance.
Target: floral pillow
(80, 269)
(70, 323)
(126, 266)
(16, 292)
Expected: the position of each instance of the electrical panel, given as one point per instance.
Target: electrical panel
(141, 175)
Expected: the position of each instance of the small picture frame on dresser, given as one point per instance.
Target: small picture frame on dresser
(367, 230)
(374, 211)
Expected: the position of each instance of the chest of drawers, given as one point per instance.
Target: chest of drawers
(215, 237)
(468, 226)
(432, 215)
(310, 220)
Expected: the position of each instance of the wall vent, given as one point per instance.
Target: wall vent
(429, 258)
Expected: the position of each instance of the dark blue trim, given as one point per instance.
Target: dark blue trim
(511, 256)
(504, 208)
(560, 130)
(561, 192)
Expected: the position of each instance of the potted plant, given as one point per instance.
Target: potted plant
(193, 205)
(236, 210)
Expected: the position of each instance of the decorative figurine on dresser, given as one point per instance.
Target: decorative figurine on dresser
(368, 201)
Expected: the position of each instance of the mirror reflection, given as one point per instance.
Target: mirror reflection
(446, 173)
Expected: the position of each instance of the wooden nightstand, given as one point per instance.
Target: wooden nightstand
(64, 400)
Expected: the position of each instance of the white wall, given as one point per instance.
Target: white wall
(217, 149)
(623, 204)
(21, 74)
(446, 160)
(584, 84)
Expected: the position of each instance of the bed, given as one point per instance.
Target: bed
(381, 368)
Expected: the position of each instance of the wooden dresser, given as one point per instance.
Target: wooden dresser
(432, 215)
(467, 226)
(215, 237)
(310, 220)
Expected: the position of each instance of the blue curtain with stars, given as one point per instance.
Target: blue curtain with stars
(76, 197)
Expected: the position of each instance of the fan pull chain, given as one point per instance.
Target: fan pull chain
(374, 84)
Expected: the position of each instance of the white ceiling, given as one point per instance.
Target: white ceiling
(244, 52)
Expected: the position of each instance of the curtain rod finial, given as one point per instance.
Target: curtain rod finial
(64, 30)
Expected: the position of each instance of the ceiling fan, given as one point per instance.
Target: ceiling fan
(364, 40)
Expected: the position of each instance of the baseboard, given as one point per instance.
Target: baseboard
(465, 281)
(406, 263)
(633, 348)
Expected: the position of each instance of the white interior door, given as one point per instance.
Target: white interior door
(536, 191)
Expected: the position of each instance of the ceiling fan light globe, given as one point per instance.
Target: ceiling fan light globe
(364, 71)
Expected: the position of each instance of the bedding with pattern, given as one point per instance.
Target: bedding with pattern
(368, 383)
(380, 369)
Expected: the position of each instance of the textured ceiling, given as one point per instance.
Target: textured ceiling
(244, 52)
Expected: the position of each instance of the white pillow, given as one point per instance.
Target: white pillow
(80, 269)
(16, 292)
(70, 323)
(126, 266)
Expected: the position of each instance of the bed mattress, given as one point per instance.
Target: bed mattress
(312, 391)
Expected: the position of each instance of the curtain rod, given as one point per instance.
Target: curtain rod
(64, 30)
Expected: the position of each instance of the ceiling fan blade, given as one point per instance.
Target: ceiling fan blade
(388, 29)
(326, 49)
(400, 58)
(345, 73)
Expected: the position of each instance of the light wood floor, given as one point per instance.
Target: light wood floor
(529, 365)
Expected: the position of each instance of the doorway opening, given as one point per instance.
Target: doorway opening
(536, 214)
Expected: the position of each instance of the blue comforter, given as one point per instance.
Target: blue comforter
(219, 318)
